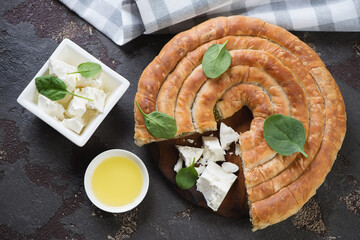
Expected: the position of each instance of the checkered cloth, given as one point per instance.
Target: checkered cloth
(124, 20)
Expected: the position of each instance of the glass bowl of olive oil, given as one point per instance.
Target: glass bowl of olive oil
(116, 181)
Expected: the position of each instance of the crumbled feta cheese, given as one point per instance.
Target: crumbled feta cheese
(230, 167)
(203, 161)
(66, 100)
(190, 141)
(74, 124)
(52, 108)
(97, 95)
(214, 183)
(213, 152)
(178, 165)
(200, 169)
(189, 153)
(77, 107)
(227, 136)
(61, 70)
(237, 149)
(89, 82)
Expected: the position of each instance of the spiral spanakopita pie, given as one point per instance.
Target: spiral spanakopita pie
(271, 72)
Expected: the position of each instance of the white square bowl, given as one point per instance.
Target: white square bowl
(114, 85)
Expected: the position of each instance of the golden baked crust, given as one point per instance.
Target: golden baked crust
(271, 72)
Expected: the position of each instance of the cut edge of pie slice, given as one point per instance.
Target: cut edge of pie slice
(278, 65)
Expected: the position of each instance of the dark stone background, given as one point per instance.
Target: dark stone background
(41, 173)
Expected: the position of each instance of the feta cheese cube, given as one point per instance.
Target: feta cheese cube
(74, 124)
(227, 136)
(213, 152)
(214, 183)
(189, 153)
(52, 108)
(230, 167)
(61, 70)
(97, 95)
(89, 82)
(77, 107)
(237, 149)
(66, 100)
(178, 165)
(200, 169)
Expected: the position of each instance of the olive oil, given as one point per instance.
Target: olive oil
(117, 181)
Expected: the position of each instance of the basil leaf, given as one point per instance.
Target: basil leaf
(216, 60)
(285, 135)
(159, 125)
(88, 69)
(186, 177)
(53, 88)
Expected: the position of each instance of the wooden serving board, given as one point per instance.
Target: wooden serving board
(166, 155)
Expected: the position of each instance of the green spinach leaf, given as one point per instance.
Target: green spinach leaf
(88, 69)
(186, 177)
(285, 135)
(216, 60)
(53, 88)
(159, 125)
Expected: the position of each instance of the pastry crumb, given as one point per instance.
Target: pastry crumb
(128, 225)
(310, 218)
(187, 212)
(352, 201)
